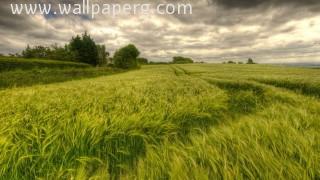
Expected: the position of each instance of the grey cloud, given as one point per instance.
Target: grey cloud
(216, 30)
(255, 3)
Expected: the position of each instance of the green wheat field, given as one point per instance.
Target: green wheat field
(179, 122)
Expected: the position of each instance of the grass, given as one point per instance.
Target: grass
(18, 72)
(38, 76)
(10, 63)
(163, 122)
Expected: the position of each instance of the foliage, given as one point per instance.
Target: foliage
(231, 62)
(103, 55)
(9, 63)
(181, 60)
(142, 60)
(36, 52)
(81, 49)
(17, 72)
(126, 57)
(41, 52)
(85, 49)
(250, 61)
(60, 53)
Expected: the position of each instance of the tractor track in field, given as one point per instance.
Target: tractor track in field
(301, 88)
(244, 97)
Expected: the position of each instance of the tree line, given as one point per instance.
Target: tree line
(82, 48)
(249, 61)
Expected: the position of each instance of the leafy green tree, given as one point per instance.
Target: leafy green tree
(126, 57)
(75, 47)
(36, 52)
(90, 50)
(102, 55)
(60, 53)
(84, 49)
(27, 52)
(250, 61)
(181, 60)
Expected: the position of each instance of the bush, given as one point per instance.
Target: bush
(126, 57)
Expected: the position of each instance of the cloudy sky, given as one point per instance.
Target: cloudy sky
(217, 30)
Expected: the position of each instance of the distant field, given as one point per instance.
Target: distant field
(165, 122)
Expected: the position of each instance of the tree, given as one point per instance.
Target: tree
(61, 53)
(102, 55)
(89, 52)
(81, 49)
(142, 61)
(126, 57)
(84, 49)
(36, 52)
(231, 62)
(27, 52)
(181, 60)
(75, 47)
(250, 61)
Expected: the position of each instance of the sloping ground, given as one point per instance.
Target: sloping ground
(9, 64)
(18, 72)
(24, 78)
(161, 122)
